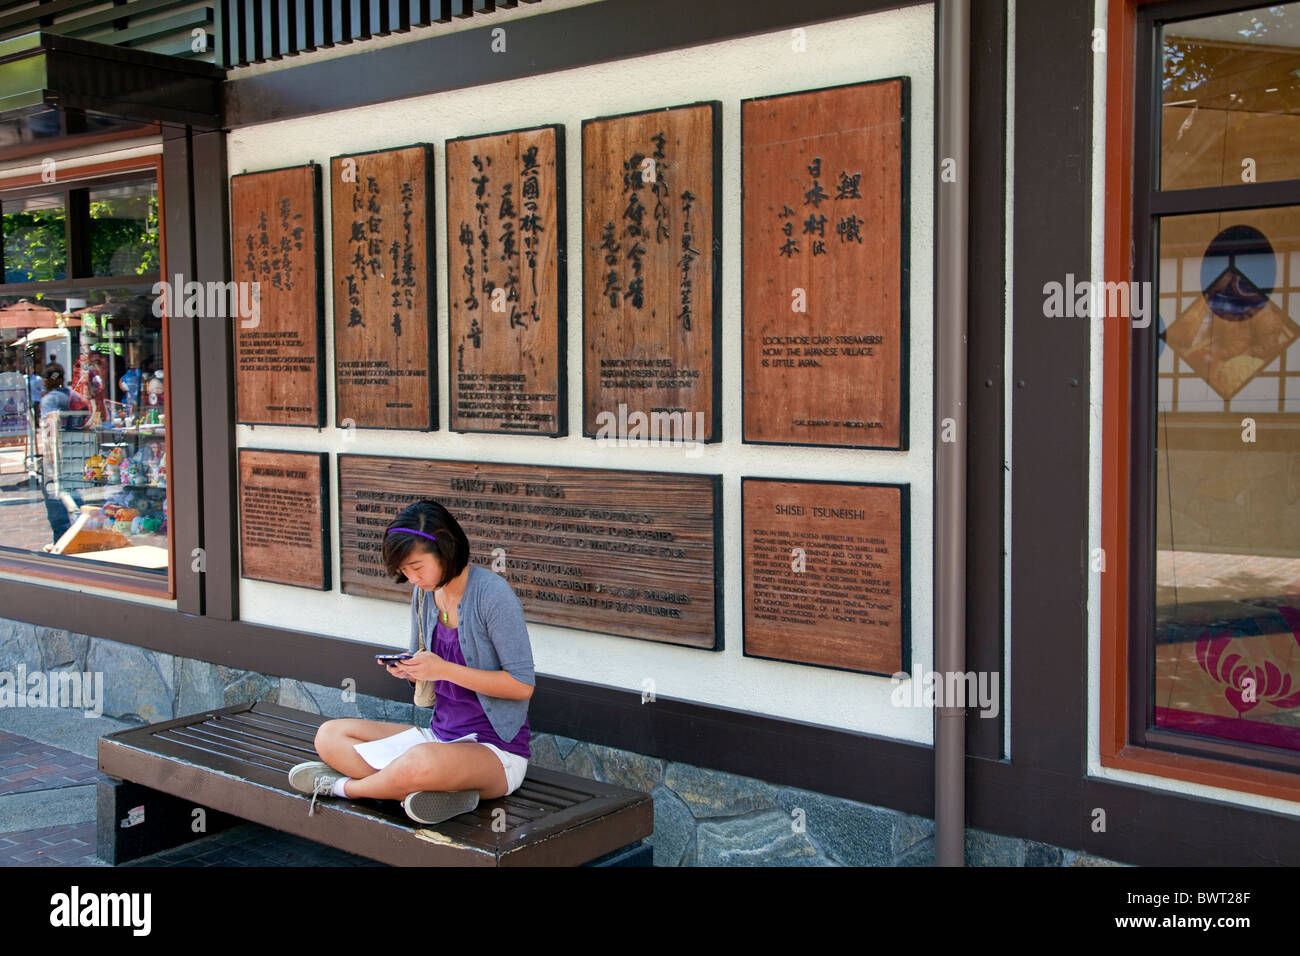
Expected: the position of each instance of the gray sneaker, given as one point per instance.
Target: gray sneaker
(315, 777)
(435, 806)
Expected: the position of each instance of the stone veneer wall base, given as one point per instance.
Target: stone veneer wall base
(702, 817)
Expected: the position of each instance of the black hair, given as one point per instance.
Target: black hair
(53, 375)
(450, 545)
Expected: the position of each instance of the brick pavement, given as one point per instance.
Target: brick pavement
(72, 845)
(28, 766)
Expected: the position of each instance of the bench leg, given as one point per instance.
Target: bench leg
(134, 821)
(634, 854)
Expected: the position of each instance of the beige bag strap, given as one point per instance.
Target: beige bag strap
(424, 693)
(419, 612)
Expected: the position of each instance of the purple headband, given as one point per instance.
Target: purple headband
(412, 531)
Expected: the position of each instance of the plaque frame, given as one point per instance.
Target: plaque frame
(561, 284)
(324, 491)
(715, 304)
(431, 279)
(715, 482)
(904, 571)
(318, 254)
(905, 243)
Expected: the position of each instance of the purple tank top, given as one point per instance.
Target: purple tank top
(457, 711)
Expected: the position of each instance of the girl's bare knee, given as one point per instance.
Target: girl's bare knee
(419, 767)
(328, 736)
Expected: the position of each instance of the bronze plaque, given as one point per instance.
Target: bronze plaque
(652, 246)
(276, 237)
(631, 553)
(824, 266)
(825, 573)
(505, 242)
(385, 375)
(283, 534)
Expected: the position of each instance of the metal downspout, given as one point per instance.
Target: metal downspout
(952, 137)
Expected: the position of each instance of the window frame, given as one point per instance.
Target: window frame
(1133, 205)
(120, 578)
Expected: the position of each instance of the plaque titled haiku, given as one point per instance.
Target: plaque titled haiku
(629, 553)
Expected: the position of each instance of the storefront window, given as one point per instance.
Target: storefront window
(1226, 367)
(83, 453)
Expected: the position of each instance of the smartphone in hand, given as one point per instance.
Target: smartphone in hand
(387, 659)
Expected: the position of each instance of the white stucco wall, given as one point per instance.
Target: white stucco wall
(852, 50)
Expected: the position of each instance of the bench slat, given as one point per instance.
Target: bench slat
(189, 753)
(251, 745)
(289, 715)
(279, 728)
(291, 744)
(236, 761)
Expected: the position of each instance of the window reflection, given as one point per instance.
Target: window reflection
(35, 239)
(1227, 652)
(83, 456)
(1231, 98)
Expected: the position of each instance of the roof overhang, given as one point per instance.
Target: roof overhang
(40, 71)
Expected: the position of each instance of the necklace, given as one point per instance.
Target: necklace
(446, 618)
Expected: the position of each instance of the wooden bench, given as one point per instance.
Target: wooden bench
(234, 763)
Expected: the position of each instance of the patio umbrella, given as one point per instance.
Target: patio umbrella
(26, 315)
(40, 335)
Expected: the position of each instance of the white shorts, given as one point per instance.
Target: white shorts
(380, 753)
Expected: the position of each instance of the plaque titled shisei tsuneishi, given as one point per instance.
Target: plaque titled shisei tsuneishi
(628, 553)
(276, 243)
(283, 535)
(825, 573)
(824, 266)
(505, 248)
(651, 246)
(384, 369)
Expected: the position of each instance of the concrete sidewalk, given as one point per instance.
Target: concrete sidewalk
(48, 777)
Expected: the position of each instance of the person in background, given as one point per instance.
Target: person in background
(57, 398)
(36, 383)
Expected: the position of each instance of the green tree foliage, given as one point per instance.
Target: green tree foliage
(123, 240)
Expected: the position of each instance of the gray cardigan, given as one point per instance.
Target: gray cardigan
(493, 637)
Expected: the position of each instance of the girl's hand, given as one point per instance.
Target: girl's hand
(425, 665)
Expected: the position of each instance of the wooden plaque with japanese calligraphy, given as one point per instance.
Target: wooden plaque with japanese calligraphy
(630, 553)
(652, 246)
(824, 266)
(283, 534)
(505, 247)
(280, 340)
(385, 375)
(825, 573)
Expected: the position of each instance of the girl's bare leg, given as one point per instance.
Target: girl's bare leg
(335, 740)
(433, 766)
